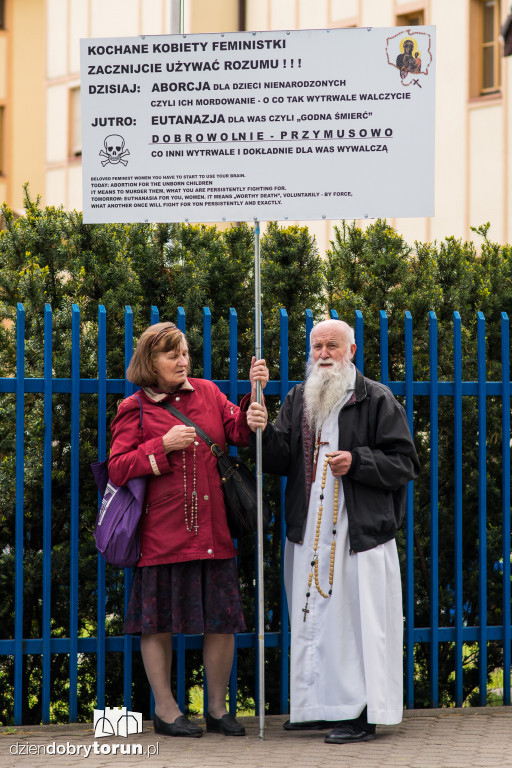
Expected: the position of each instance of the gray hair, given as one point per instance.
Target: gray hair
(339, 325)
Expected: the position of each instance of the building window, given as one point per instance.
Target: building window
(490, 46)
(75, 123)
(484, 48)
(414, 19)
(242, 16)
(2, 14)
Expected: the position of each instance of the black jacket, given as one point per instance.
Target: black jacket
(373, 427)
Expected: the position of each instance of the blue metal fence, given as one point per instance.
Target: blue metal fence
(77, 388)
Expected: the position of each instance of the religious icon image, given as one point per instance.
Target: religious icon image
(113, 150)
(409, 60)
(410, 53)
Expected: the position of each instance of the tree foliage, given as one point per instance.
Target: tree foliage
(49, 256)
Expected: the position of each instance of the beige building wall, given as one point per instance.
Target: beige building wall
(22, 86)
(4, 99)
(39, 95)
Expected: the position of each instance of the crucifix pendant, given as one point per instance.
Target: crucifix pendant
(315, 461)
(305, 611)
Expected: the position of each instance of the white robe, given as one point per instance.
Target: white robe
(348, 652)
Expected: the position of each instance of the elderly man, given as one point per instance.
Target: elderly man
(344, 444)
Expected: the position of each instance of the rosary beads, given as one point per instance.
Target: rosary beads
(193, 523)
(314, 562)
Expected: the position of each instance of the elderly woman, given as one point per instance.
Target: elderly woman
(186, 579)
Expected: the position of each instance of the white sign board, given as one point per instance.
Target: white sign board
(315, 124)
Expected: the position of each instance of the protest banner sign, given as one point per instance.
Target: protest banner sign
(312, 124)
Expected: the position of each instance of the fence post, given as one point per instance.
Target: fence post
(207, 343)
(47, 515)
(74, 512)
(505, 494)
(409, 525)
(19, 521)
(482, 508)
(102, 451)
(358, 332)
(233, 359)
(233, 396)
(457, 438)
(285, 632)
(434, 520)
(309, 328)
(181, 320)
(129, 389)
(384, 370)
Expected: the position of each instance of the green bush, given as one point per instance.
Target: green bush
(49, 256)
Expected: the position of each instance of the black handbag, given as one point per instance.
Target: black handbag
(238, 484)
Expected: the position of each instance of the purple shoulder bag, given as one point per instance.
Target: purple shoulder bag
(116, 531)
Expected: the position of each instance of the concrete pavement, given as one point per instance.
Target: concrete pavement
(446, 738)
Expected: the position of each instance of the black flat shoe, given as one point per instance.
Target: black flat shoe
(309, 725)
(350, 734)
(227, 724)
(182, 726)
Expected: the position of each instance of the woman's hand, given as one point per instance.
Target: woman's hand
(259, 372)
(257, 416)
(178, 438)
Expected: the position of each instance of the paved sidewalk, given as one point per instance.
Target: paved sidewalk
(455, 738)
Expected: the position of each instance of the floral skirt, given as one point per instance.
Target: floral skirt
(195, 597)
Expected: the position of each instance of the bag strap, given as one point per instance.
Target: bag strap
(140, 413)
(214, 448)
(140, 410)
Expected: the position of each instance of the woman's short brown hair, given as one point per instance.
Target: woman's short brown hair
(160, 337)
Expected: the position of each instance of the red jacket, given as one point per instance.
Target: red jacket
(164, 535)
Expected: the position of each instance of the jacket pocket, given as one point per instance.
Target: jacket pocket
(162, 501)
(374, 509)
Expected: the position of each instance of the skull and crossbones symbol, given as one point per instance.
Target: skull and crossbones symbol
(114, 150)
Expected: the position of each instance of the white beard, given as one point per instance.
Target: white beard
(324, 389)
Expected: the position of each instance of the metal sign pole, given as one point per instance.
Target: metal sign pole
(176, 17)
(259, 486)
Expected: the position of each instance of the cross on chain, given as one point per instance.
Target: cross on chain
(315, 460)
